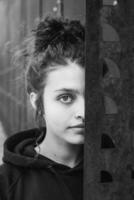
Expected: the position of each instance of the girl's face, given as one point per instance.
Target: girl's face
(64, 105)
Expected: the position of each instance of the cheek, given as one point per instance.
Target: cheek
(57, 114)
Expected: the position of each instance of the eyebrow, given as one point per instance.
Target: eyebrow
(67, 90)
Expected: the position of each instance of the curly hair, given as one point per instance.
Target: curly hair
(52, 43)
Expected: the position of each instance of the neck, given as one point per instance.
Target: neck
(61, 152)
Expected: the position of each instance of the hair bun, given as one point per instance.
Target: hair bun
(47, 31)
(51, 30)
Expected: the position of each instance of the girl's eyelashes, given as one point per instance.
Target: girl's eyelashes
(66, 98)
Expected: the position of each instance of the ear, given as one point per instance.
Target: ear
(33, 98)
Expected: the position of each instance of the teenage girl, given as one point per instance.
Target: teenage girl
(46, 163)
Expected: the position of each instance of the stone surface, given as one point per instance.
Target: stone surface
(109, 172)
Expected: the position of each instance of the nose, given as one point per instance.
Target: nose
(80, 109)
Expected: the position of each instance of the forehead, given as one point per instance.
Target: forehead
(71, 76)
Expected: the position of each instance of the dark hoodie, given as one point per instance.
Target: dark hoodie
(24, 176)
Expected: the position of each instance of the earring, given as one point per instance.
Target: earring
(39, 113)
(41, 119)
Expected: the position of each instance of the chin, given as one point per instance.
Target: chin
(77, 140)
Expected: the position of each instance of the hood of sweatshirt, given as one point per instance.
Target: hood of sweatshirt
(19, 151)
(20, 155)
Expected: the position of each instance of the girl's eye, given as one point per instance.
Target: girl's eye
(66, 99)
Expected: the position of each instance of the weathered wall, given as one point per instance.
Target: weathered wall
(109, 149)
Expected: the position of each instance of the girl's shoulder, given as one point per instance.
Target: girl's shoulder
(7, 170)
(9, 175)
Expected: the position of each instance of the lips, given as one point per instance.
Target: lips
(78, 126)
